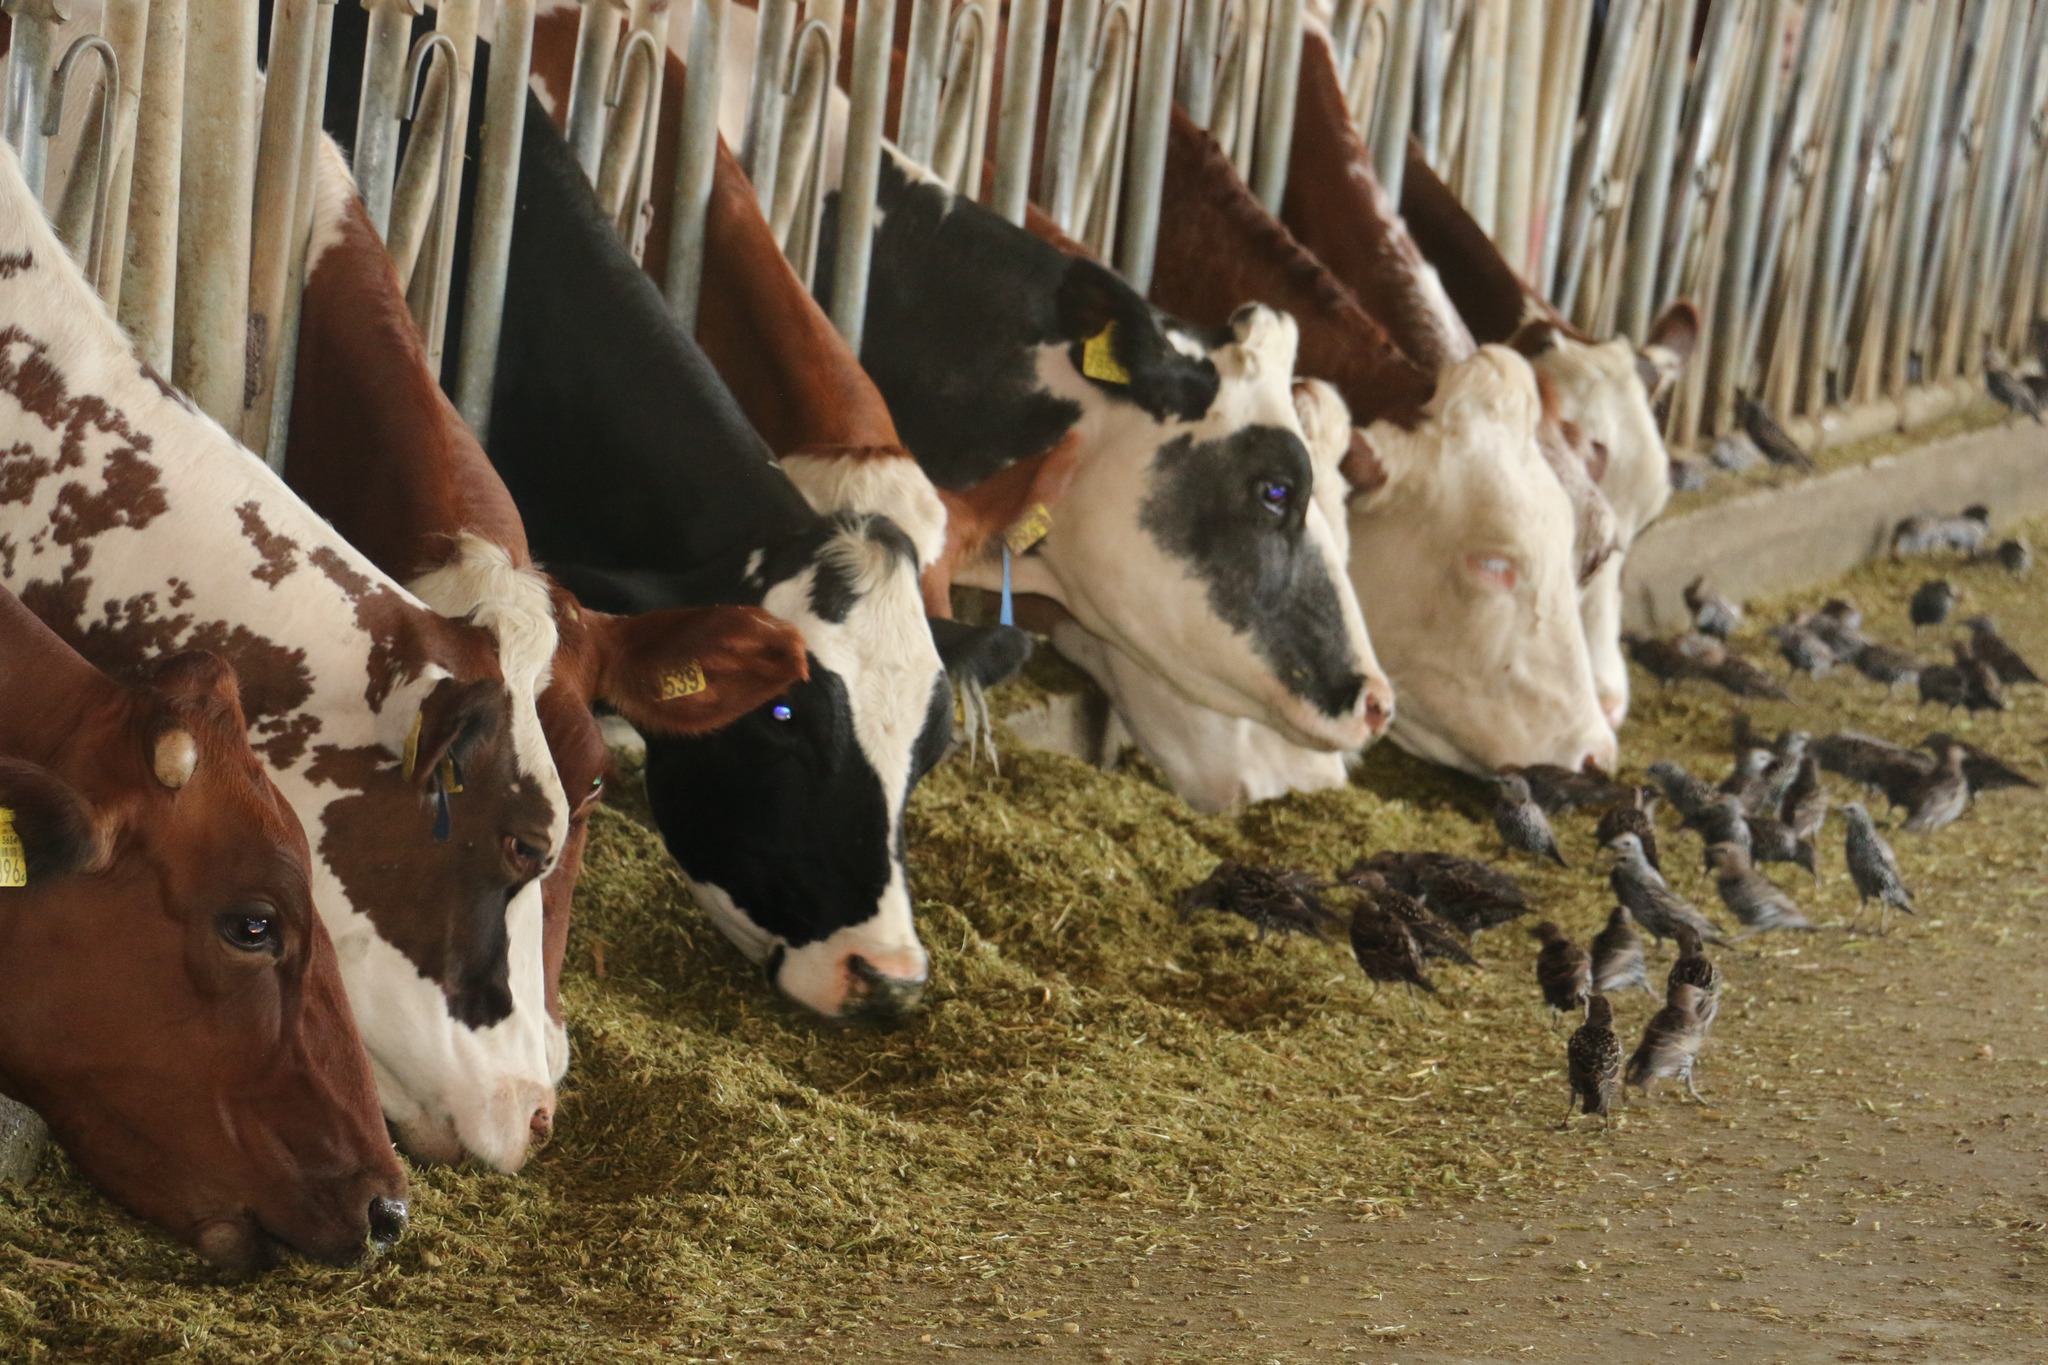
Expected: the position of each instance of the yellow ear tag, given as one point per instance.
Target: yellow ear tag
(1098, 358)
(688, 683)
(1032, 527)
(451, 776)
(411, 759)
(13, 857)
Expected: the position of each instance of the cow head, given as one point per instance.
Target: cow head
(1217, 761)
(789, 821)
(169, 1000)
(1613, 392)
(1463, 553)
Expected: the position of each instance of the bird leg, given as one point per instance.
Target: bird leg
(1686, 1076)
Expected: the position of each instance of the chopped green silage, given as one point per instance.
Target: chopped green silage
(1085, 1056)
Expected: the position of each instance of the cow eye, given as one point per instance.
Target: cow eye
(1274, 495)
(782, 711)
(1495, 571)
(254, 930)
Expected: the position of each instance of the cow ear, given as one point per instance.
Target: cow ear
(1534, 339)
(1677, 330)
(986, 654)
(455, 717)
(690, 670)
(54, 823)
(1090, 298)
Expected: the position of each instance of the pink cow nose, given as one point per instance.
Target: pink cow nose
(1379, 708)
(542, 1124)
(875, 995)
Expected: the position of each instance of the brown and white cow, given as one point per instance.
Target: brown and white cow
(136, 528)
(377, 449)
(168, 999)
(1607, 389)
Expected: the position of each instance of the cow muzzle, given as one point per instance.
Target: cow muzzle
(874, 994)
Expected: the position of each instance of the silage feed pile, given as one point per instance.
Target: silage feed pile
(1087, 1060)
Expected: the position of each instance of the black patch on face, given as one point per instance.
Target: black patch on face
(959, 300)
(833, 591)
(1264, 577)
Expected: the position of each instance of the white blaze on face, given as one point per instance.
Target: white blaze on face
(1465, 565)
(1121, 584)
(1599, 389)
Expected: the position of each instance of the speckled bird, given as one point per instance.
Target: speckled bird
(1893, 667)
(1593, 1062)
(1564, 970)
(1804, 807)
(1844, 641)
(1745, 782)
(1671, 1042)
(1469, 894)
(1750, 896)
(1658, 657)
(1985, 771)
(1943, 797)
(1843, 612)
(1521, 821)
(1943, 685)
(1983, 689)
(1385, 947)
(1987, 644)
(1559, 789)
(2010, 390)
(1687, 794)
(1721, 822)
(1434, 939)
(1618, 961)
(1632, 815)
(1933, 601)
(1779, 777)
(2015, 555)
(1712, 614)
(1770, 438)
(1873, 866)
(1694, 968)
(1274, 899)
(1688, 474)
(1803, 651)
(1771, 840)
(1657, 908)
(1745, 679)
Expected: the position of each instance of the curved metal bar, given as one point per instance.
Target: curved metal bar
(628, 149)
(409, 95)
(813, 28)
(958, 77)
(53, 117)
(441, 219)
(800, 240)
(1359, 97)
(640, 41)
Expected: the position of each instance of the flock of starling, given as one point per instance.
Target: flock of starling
(1411, 910)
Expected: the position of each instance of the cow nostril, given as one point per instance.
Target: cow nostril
(1377, 713)
(388, 1218)
(873, 994)
(542, 1124)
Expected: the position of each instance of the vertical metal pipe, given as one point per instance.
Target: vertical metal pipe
(1930, 137)
(1746, 201)
(1564, 62)
(1520, 98)
(1066, 112)
(457, 20)
(1426, 73)
(1479, 159)
(1254, 30)
(82, 226)
(1639, 301)
(29, 66)
(497, 192)
(1838, 202)
(376, 155)
(1394, 109)
(1971, 60)
(1596, 145)
(917, 119)
(1706, 104)
(873, 29)
(275, 407)
(280, 137)
(128, 31)
(1023, 55)
(1993, 179)
(1197, 89)
(1276, 103)
(1159, 39)
(149, 275)
(1872, 158)
(634, 99)
(696, 159)
(210, 355)
(761, 149)
(597, 46)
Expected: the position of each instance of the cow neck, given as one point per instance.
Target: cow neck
(47, 692)
(1490, 296)
(1219, 248)
(1334, 206)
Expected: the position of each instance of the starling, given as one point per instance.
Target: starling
(1943, 797)
(1803, 651)
(1873, 866)
(2007, 387)
(1593, 1062)
(1521, 821)
(1771, 840)
(1563, 969)
(1723, 822)
(1632, 816)
(1779, 777)
(1986, 772)
(1650, 899)
(1933, 601)
(1749, 895)
(1686, 793)
(1749, 783)
(1805, 804)
(1923, 534)
(1470, 895)
(1385, 948)
(1745, 679)
(1843, 613)
(1893, 667)
(2015, 556)
(1272, 898)
(1983, 689)
(1434, 939)
(1988, 645)
(1671, 1042)
(1660, 658)
(1770, 438)
(1736, 453)
(1618, 961)
(1844, 641)
(1694, 968)
(1944, 685)
(1689, 475)
(1712, 614)
(1895, 771)
(1561, 789)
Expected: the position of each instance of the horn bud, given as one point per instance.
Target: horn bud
(177, 754)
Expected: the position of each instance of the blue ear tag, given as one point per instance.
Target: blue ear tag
(1008, 614)
(443, 824)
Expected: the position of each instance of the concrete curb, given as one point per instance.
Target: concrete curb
(23, 1140)
(1818, 529)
